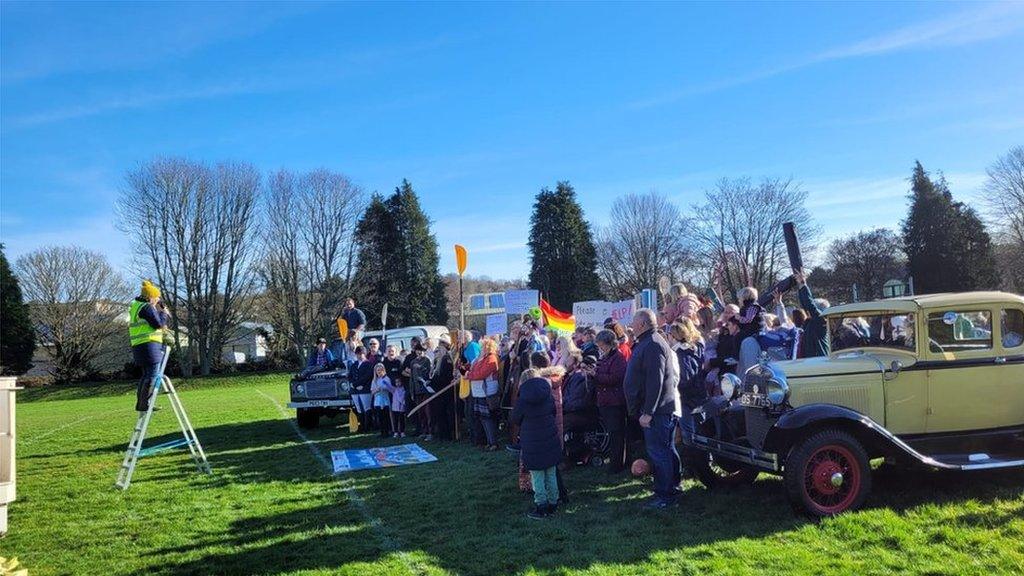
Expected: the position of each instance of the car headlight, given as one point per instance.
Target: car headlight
(778, 390)
(300, 389)
(730, 384)
(345, 387)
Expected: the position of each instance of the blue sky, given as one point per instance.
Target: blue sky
(480, 105)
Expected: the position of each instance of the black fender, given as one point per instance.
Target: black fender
(799, 423)
(722, 417)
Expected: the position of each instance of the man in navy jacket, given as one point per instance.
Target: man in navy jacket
(652, 396)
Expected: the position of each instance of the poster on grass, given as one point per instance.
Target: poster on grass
(385, 457)
(520, 301)
(497, 324)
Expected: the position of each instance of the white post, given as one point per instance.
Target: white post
(7, 430)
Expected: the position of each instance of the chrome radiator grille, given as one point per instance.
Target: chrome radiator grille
(757, 420)
(758, 376)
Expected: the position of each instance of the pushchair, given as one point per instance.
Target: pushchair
(585, 440)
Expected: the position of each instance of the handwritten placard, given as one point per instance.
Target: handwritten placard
(520, 301)
(595, 312)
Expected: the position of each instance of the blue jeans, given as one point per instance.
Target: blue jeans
(661, 449)
(545, 486)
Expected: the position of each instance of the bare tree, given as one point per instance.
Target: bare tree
(1004, 204)
(739, 230)
(309, 256)
(75, 299)
(192, 228)
(647, 239)
(867, 259)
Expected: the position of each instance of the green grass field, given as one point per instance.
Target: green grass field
(272, 507)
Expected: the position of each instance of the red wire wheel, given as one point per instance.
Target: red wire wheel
(828, 474)
(831, 479)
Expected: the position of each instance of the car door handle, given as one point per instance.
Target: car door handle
(1001, 360)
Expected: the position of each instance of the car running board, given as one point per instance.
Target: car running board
(976, 461)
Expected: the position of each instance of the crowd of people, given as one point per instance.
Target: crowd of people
(548, 394)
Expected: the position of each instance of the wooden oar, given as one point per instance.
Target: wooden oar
(429, 398)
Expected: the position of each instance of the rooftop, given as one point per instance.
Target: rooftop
(913, 303)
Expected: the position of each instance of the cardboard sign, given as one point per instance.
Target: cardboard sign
(520, 301)
(595, 312)
(591, 312)
(497, 324)
(622, 312)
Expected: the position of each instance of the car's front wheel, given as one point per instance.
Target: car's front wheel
(307, 417)
(719, 473)
(827, 474)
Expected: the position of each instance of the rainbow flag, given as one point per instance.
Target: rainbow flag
(556, 320)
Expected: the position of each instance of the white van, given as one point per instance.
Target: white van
(402, 337)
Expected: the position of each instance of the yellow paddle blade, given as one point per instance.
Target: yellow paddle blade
(353, 421)
(460, 259)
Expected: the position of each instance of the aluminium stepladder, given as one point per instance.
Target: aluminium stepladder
(135, 449)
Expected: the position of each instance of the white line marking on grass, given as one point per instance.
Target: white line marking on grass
(388, 542)
(29, 441)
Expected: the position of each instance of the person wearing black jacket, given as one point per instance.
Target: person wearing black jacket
(727, 351)
(814, 338)
(652, 396)
(442, 375)
(392, 363)
(361, 375)
(416, 372)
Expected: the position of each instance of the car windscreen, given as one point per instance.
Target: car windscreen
(874, 329)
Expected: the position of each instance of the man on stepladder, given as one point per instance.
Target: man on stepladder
(147, 322)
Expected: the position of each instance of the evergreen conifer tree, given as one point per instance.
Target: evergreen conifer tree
(563, 262)
(399, 263)
(373, 283)
(948, 249)
(17, 339)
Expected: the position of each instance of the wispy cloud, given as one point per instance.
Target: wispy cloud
(88, 38)
(270, 77)
(991, 21)
(141, 99)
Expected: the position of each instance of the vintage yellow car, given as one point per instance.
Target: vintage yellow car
(934, 380)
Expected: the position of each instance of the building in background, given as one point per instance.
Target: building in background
(246, 342)
(479, 306)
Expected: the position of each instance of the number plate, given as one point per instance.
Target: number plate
(754, 400)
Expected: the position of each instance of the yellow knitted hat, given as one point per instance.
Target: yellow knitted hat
(149, 291)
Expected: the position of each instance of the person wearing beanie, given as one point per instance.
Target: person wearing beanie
(147, 321)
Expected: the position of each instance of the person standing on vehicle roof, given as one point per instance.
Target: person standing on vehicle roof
(354, 317)
(147, 321)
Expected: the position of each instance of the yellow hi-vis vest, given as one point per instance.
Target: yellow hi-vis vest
(139, 330)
